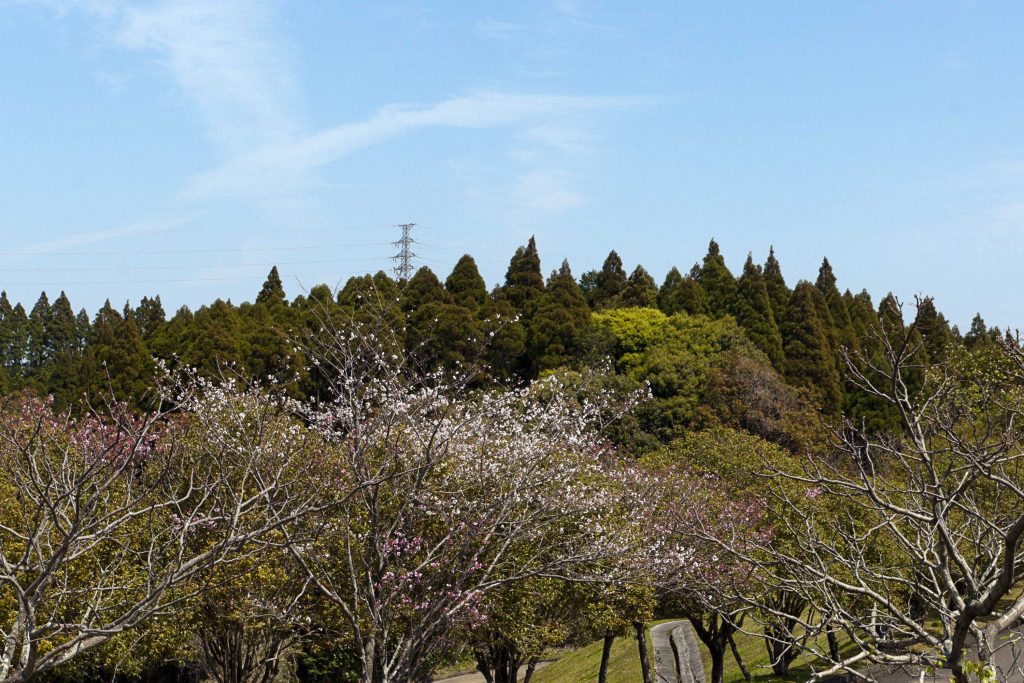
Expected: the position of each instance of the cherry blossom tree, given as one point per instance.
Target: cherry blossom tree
(461, 492)
(110, 519)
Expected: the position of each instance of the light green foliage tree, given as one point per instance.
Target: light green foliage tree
(631, 331)
(678, 365)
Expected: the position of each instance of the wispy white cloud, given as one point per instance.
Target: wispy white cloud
(224, 56)
(228, 59)
(261, 171)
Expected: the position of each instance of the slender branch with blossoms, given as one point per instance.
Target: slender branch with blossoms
(461, 492)
(110, 519)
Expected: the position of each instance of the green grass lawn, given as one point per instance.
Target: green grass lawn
(580, 666)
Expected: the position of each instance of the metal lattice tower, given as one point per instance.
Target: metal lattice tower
(405, 255)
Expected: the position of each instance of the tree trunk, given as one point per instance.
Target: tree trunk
(483, 665)
(606, 652)
(506, 668)
(717, 663)
(782, 648)
(739, 659)
(641, 643)
(531, 666)
(833, 644)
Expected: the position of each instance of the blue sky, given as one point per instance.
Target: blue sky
(181, 148)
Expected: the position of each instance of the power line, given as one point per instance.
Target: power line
(197, 266)
(405, 255)
(143, 252)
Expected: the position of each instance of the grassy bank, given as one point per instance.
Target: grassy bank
(581, 666)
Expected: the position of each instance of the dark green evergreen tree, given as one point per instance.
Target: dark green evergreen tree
(214, 340)
(466, 286)
(272, 292)
(267, 327)
(754, 313)
(669, 292)
(10, 354)
(38, 320)
(169, 342)
(610, 282)
(978, 335)
(778, 292)
(588, 284)
(640, 290)
(682, 294)
(844, 335)
(84, 328)
(561, 319)
(934, 330)
(718, 283)
(17, 353)
(150, 317)
(439, 333)
(118, 365)
(423, 288)
(864, 407)
(443, 334)
(61, 375)
(905, 340)
(505, 351)
(62, 329)
(809, 359)
(524, 284)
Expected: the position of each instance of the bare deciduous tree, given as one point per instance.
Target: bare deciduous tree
(909, 543)
(110, 519)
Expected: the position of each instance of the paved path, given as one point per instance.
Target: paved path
(665, 670)
(477, 677)
(676, 657)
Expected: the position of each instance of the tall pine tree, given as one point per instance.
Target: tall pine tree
(754, 313)
(562, 316)
(844, 334)
(778, 292)
(466, 286)
(718, 283)
(681, 294)
(272, 292)
(934, 330)
(524, 284)
(610, 282)
(640, 290)
(809, 359)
